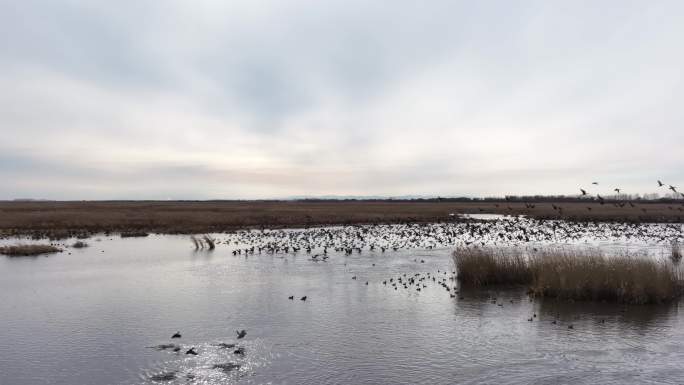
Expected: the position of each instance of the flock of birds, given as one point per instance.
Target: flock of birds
(193, 351)
(320, 243)
(622, 203)
(176, 348)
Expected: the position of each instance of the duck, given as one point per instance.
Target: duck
(191, 351)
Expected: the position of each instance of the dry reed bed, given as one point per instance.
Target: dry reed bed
(28, 250)
(570, 274)
(58, 220)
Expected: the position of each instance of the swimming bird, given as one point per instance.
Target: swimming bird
(241, 334)
(177, 335)
(191, 351)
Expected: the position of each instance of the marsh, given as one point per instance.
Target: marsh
(90, 315)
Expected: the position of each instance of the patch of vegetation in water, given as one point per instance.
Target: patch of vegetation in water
(572, 274)
(28, 250)
(133, 234)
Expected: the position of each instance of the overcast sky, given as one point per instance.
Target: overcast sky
(267, 99)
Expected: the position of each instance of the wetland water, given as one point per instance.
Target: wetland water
(92, 316)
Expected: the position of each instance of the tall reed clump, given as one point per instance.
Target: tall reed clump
(591, 276)
(202, 242)
(490, 266)
(572, 275)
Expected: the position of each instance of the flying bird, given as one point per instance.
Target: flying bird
(177, 335)
(617, 190)
(673, 188)
(241, 334)
(596, 183)
(583, 191)
(660, 184)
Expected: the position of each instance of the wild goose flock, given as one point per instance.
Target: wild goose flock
(320, 243)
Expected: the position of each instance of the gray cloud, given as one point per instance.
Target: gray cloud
(210, 99)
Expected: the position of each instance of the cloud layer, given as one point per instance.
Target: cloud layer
(263, 99)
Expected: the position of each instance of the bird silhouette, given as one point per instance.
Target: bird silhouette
(583, 192)
(177, 335)
(660, 184)
(191, 351)
(303, 298)
(241, 334)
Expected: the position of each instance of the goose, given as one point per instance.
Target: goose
(241, 334)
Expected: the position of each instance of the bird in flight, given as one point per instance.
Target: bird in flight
(660, 184)
(583, 191)
(596, 183)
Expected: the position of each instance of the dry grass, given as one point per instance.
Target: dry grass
(134, 234)
(68, 219)
(28, 250)
(489, 266)
(573, 275)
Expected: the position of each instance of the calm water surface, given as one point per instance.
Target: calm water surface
(92, 316)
